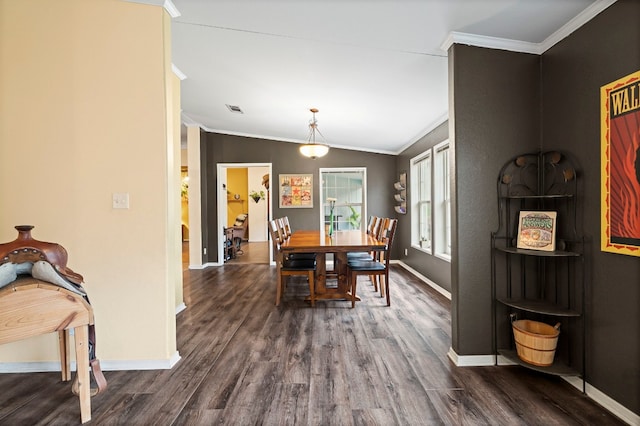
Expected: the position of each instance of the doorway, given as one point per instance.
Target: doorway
(244, 193)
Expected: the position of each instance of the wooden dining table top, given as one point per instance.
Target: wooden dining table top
(340, 241)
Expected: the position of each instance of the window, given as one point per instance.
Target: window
(442, 201)
(421, 201)
(348, 187)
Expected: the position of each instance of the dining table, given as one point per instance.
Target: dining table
(339, 244)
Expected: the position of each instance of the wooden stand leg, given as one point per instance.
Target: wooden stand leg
(82, 361)
(65, 362)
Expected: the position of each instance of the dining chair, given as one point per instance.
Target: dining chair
(285, 232)
(373, 227)
(286, 226)
(291, 267)
(375, 267)
(372, 223)
(283, 229)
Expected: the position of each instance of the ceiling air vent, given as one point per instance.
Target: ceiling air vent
(234, 108)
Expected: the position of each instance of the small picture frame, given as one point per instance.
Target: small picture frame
(537, 230)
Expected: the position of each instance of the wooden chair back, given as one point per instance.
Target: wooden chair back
(377, 227)
(276, 239)
(371, 224)
(286, 226)
(388, 234)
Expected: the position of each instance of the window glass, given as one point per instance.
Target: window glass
(348, 187)
(442, 201)
(421, 201)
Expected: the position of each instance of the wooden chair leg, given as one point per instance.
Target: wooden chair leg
(279, 281)
(354, 284)
(386, 284)
(312, 288)
(283, 286)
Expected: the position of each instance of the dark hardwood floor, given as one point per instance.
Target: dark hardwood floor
(248, 362)
(252, 252)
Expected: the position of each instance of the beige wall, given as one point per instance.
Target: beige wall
(84, 89)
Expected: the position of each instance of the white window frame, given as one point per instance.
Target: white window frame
(341, 203)
(421, 183)
(442, 200)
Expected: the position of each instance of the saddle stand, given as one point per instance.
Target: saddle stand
(39, 294)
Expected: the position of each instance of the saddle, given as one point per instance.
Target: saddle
(47, 262)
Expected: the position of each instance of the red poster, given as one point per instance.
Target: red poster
(620, 112)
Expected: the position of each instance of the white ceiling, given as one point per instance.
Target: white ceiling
(375, 69)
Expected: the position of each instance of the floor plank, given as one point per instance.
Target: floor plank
(246, 361)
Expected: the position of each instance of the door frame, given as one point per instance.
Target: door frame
(222, 202)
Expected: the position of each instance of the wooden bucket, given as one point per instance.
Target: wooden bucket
(536, 341)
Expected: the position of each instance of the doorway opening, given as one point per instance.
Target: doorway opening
(244, 203)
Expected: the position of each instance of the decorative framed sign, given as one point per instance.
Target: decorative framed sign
(537, 230)
(296, 191)
(620, 168)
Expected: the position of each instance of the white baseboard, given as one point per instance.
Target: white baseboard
(601, 398)
(181, 307)
(505, 361)
(105, 365)
(471, 360)
(206, 265)
(606, 401)
(159, 364)
(430, 283)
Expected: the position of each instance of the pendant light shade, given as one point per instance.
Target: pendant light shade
(312, 149)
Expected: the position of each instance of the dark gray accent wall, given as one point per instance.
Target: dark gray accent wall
(432, 267)
(494, 115)
(286, 158)
(505, 103)
(602, 51)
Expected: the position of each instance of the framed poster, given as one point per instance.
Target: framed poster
(537, 230)
(296, 191)
(620, 168)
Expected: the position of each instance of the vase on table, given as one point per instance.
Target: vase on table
(331, 223)
(332, 205)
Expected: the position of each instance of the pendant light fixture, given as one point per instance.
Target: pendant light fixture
(312, 149)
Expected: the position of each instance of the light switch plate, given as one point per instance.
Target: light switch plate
(120, 200)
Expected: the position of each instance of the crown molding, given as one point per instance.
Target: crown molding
(455, 37)
(273, 138)
(171, 8)
(579, 20)
(177, 72)
(424, 133)
(188, 121)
